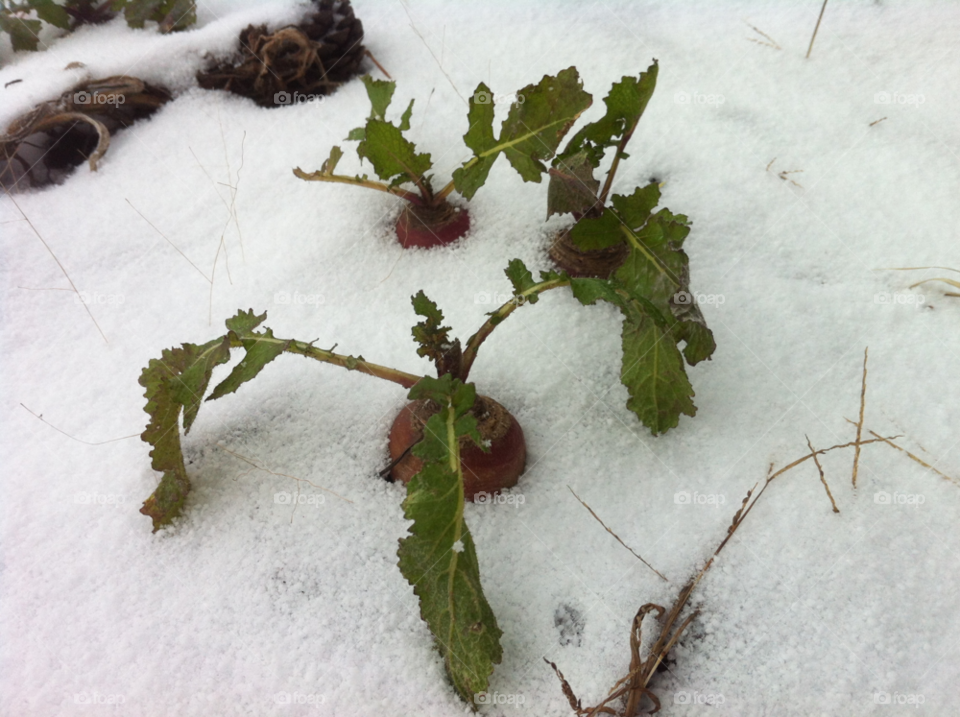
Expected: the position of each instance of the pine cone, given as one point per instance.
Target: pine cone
(312, 58)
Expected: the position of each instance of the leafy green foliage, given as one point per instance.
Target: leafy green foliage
(655, 322)
(24, 30)
(530, 133)
(593, 233)
(172, 15)
(572, 187)
(572, 175)
(176, 382)
(391, 154)
(439, 557)
(434, 339)
(533, 129)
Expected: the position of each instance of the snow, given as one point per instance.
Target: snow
(275, 597)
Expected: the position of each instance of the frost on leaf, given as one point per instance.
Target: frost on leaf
(532, 131)
(438, 557)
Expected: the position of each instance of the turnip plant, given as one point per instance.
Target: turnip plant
(534, 127)
(448, 445)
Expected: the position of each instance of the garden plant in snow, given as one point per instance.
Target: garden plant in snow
(537, 121)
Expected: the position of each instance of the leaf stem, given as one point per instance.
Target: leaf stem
(351, 363)
(621, 145)
(354, 363)
(319, 176)
(445, 192)
(474, 342)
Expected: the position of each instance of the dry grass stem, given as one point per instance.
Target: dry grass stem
(822, 478)
(40, 418)
(950, 282)
(863, 396)
(206, 278)
(635, 685)
(638, 557)
(772, 43)
(876, 121)
(47, 247)
(917, 459)
(822, 8)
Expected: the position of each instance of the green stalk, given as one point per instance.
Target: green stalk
(621, 146)
(474, 342)
(368, 183)
(351, 363)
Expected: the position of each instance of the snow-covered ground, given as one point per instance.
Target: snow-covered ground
(246, 603)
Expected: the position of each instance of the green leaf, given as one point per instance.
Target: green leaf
(625, 105)
(700, 343)
(175, 382)
(391, 154)
(405, 117)
(23, 33)
(536, 123)
(653, 373)
(433, 338)
(592, 233)
(479, 137)
(636, 209)
(170, 14)
(50, 12)
(439, 557)
(533, 129)
(357, 133)
(589, 290)
(330, 163)
(521, 278)
(260, 349)
(380, 93)
(572, 187)
(245, 322)
(656, 266)
(632, 212)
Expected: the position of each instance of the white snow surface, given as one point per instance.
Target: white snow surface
(245, 603)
